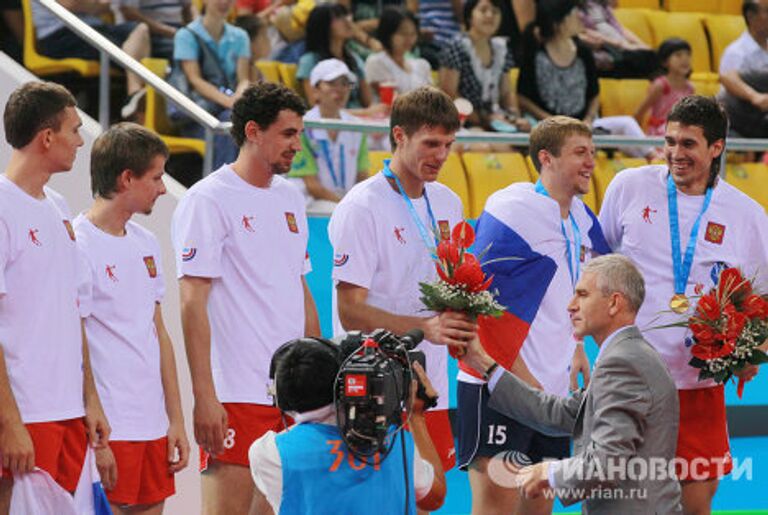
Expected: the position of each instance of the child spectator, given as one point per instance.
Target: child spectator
(230, 46)
(330, 162)
(671, 86)
(398, 32)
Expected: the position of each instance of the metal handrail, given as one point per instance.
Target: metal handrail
(109, 51)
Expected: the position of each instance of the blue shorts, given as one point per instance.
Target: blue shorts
(484, 432)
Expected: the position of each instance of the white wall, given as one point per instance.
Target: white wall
(75, 186)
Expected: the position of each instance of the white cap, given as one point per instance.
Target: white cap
(328, 70)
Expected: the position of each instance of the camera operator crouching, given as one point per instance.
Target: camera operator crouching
(357, 462)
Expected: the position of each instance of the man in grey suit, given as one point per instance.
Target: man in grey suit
(624, 425)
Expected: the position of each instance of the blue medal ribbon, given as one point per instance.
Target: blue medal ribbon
(574, 256)
(682, 267)
(429, 241)
(340, 181)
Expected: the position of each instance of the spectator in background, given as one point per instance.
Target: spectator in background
(261, 47)
(329, 29)
(515, 16)
(56, 40)
(476, 66)
(163, 17)
(667, 89)
(558, 75)
(398, 31)
(12, 28)
(439, 25)
(618, 51)
(330, 162)
(231, 48)
(744, 74)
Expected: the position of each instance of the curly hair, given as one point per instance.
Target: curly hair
(262, 103)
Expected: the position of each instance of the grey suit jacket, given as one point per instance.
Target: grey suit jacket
(627, 418)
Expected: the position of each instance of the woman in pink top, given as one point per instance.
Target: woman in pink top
(667, 89)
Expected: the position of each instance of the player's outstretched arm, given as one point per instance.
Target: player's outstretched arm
(434, 499)
(356, 314)
(178, 445)
(16, 451)
(210, 417)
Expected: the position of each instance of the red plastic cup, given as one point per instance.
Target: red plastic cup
(387, 93)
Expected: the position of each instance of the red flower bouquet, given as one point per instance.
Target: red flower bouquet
(462, 285)
(729, 323)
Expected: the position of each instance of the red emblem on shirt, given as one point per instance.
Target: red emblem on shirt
(70, 230)
(110, 270)
(33, 237)
(715, 233)
(151, 268)
(445, 230)
(247, 223)
(290, 218)
(399, 234)
(698, 289)
(647, 214)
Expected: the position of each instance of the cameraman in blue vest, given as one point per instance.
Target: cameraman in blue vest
(309, 470)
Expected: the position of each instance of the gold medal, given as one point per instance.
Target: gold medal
(679, 303)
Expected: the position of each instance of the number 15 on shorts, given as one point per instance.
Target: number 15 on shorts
(497, 434)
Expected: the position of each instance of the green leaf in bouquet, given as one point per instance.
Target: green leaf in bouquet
(758, 357)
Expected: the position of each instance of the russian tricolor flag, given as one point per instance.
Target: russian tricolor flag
(522, 224)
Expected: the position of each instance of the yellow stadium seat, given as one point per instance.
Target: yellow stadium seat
(288, 77)
(751, 178)
(636, 21)
(43, 66)
(707, 84)
(488, 173)
(705, 6)
(642, 4)
(156, 119)
(270, 71)
(730, 7)
(452, 174)
(723, 29)
(532, 171)
(377, 157)
(622, 96)
(514, 73)
(683, 25)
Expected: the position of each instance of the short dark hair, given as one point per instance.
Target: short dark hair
(707, 113)
(32, 107)
(550, 135)
(470, 5)
(124, 146)
(424, 106)
(305, 375)
(262, 103)
(749, 7)
(251, 24)
(389, 23)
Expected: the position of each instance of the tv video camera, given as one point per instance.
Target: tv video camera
(373, 387)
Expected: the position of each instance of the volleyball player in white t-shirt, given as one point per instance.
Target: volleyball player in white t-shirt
(240, 237)
(383, 232)
(49, 406)
(131, 352)
(637, 216)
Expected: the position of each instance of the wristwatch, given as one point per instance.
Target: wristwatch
(489, 371)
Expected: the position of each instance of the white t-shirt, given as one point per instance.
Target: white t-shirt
(743, 54)
(635, 219)
(377, 246)
(380, 67)
(267, 467)
(125, 283)
(39, 320)
(532, 227)
(253, 243)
